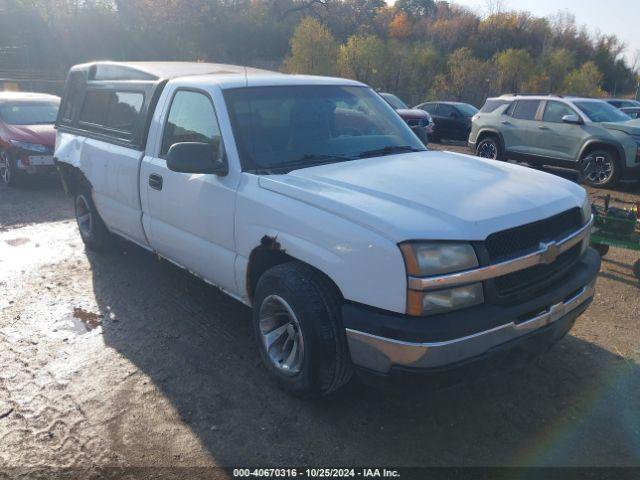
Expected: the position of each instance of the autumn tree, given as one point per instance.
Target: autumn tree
(585, 81)
(313, 49)
(416, 8)
(513, 68)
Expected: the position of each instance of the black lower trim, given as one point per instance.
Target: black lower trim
(504, 357)
(438, 328)
(631, 173)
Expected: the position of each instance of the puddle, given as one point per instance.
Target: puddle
(16, 242)
(80, 322)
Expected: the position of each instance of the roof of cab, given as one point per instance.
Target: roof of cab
(114, 71)
(226, 76)
(22, 96)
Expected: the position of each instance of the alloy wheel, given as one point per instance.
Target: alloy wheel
(281, 335)
(602, 170)
(488, 150)
(84, 216)
(5, 169)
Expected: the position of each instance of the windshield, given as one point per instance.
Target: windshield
(283, 128)
(29, 113)
(394, 101)
(466, 109)
(599, 111)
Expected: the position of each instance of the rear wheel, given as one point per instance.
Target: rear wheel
(489, 147)
(93, 231)
(604, 170)
(297, 323)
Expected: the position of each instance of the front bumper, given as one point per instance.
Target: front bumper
(454, 338)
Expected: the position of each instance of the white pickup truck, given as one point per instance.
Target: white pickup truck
(310, 200)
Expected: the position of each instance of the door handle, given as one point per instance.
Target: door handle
(543, 128)
(155, 181)
(504, 122)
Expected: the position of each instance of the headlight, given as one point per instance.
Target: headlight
(424, 259)
(438, 258)
(441, 301)
(586, 210)
(31, 147)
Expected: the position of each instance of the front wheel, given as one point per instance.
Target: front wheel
(8, 171)
(603, 169)
(489, 148)
(296, 319)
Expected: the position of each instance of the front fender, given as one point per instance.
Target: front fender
(366, 267)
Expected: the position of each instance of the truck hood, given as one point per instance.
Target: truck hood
(430, 195)
(632, 127)
(40, 134)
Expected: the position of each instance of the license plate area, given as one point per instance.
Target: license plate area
(41, 160)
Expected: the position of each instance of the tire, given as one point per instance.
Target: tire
(9, 173)
(601, 248)
(297, 307)
(489, 148)
(93, 231)
(636, 269)
(606, 171)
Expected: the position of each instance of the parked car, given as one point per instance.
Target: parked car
(622, 102)
(452, 119)
(355, 246)
(421, 124)
(552, 130)
(27, 136)
(633, 112)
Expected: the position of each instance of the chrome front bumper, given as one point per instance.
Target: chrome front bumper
(381, 354)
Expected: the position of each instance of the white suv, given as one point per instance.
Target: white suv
(310, 200)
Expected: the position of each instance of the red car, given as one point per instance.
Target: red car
(27, 137)
(420, 121)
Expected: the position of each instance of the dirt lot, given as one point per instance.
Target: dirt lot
(119, 359)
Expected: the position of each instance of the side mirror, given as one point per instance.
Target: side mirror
(197, 157)
(572, 119)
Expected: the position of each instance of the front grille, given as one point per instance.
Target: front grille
(525, 239)
(520, 241)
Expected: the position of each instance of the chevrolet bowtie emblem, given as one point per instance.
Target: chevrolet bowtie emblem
(550, 252)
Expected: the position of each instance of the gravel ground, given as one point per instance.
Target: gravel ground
(123, 360)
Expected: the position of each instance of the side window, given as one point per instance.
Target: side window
(526, 109)
(492, 105)
(124, 109)
(94, 108)
(446, 110)
(110, 110)
(430, 107)
(191, 118)
(72, 96)
(554, 111)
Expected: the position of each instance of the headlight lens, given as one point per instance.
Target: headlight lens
(441, 301)
(586, 211)
(438, 258)
(31, 147)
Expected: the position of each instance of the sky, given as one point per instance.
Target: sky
(621, 17)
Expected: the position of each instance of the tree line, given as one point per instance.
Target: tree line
(419, 49)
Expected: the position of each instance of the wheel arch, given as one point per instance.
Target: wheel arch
(594, 144)
(490, 132)
(268, 254)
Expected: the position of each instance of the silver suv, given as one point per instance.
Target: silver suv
(559, 131)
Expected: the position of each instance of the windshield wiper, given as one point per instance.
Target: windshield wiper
(389, 150)
(313, 160)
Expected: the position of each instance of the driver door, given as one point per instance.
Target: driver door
(190, 217)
